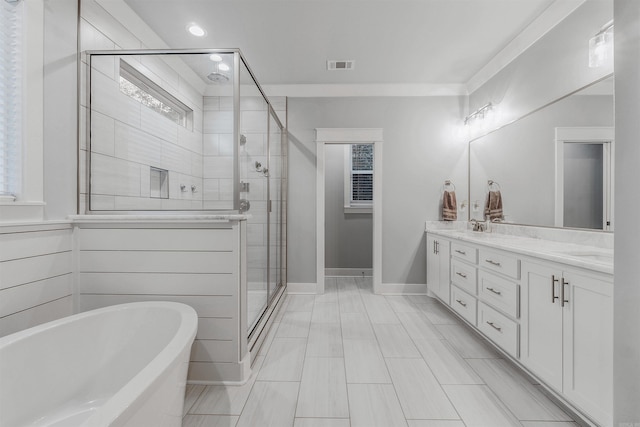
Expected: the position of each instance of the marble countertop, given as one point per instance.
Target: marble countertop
(577, 255)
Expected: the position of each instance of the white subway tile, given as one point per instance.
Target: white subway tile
(218, 121)
(175, 158)
(226, 144)
(211, 103)
(218, 167)
(105, 64)
(135, 145)
(102, 134)
(210, 144)
(158, 125)
(253, 121)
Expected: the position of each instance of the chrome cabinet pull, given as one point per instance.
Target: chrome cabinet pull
(494, 291)
(562, 299)
(497, 328)
(461, 252)
(490, 261)
(464, 276)
(461, 303)
(553, 289)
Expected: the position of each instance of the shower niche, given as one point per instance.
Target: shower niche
(180, 132)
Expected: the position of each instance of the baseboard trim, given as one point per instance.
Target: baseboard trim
(348, 272)
(402, 289)
(302, 288)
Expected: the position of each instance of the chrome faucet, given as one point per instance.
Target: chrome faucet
(477, 225)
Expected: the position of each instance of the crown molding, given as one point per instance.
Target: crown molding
(364, 90)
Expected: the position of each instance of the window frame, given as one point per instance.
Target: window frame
(354, 206)
(135, 77)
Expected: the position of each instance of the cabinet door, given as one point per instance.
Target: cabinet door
(541, 325)
(444, 261)
(438, 267)
(433, 266)
(588, 345)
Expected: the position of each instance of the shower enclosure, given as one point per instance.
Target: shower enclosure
(190, 132)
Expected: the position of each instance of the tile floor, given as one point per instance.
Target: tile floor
(350, 358)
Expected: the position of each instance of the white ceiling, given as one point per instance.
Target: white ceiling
(287, 42)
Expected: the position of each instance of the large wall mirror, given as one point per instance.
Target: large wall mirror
(554, 166)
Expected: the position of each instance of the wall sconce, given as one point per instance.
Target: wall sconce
(463, 206)
(480, 120)
(601, 46)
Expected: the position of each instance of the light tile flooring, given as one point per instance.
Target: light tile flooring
(350, 358)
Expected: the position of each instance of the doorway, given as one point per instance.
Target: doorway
(346, 137)
(584, 178)
(348, 210)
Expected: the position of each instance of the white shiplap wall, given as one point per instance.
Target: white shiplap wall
(36, 275)
(199, 266)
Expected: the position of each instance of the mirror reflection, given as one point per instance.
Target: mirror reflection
(553, 167)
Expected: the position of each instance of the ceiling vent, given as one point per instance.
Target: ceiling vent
(341, 65)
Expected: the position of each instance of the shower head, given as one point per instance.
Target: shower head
(218, 77)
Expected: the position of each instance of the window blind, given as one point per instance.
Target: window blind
(10, 97)
(361, 173)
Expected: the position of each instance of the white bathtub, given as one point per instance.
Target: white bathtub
(124, 365)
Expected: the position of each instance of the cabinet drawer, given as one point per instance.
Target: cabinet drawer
(500, 262)
(467, 253)
(464, 304)
(499, 329)
(464, 276)
(500, 293)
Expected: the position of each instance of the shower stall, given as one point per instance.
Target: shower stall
(189, 132)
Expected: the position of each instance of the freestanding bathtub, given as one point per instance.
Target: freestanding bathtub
(124, 365)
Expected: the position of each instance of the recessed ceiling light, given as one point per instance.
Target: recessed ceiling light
(215, 57)
(223, 67)
(196, 30)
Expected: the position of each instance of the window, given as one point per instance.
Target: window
(139, 87)
(359, 178)
(10, 99)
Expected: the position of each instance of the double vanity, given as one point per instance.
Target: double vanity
(543, 297)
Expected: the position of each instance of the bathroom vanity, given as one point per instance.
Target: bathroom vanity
(542, 299)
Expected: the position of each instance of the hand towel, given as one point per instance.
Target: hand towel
(493, 207)
(449, 207)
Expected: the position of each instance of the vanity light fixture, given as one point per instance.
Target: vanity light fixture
(215, 58)
(196, 30)
(223, 67)
(480, 113)
(601, 46)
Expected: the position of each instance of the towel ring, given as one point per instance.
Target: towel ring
(449, 184)
(493, 186)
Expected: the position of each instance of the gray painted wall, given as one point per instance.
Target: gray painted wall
(420, 151)
(348, 236)
(626, 353)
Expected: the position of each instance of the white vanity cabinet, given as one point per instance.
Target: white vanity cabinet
(567, 334)
(438, 266)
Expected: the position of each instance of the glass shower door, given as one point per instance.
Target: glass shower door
(253, 190)
(275, 206)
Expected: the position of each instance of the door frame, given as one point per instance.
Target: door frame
(349, 136)
(593, 135)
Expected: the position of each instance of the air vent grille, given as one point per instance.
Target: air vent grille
(343, 65)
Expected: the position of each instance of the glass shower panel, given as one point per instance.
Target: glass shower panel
(160, 135)
(275, 205)
(254, 172)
